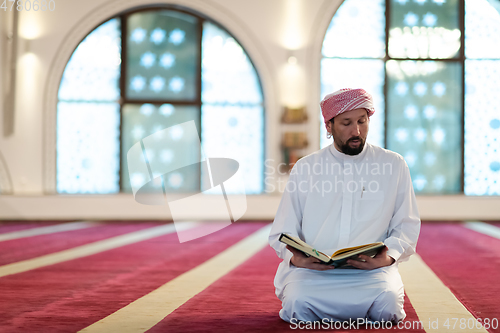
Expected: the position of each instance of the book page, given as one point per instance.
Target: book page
(342, 253)
(298, 241)
(304, 247)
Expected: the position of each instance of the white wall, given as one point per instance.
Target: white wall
(270, 31)
(123, 207)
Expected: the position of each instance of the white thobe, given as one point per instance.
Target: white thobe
(331, 201)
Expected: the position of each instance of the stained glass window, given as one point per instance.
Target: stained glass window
(482, 127)
(424, 29)
(162, 56)
(228, 75)
(426, 64)
(93, 71)
(226, 129)
(482, 113)
(142, 121)
(347, 38)
(88, 147)
(88, 117)
(178, 67)
(424, 122)
(482, 29)
(232, 100)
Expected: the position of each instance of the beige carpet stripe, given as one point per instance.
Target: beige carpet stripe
(93, 248)
(147, 311)
(47, 230)
(432, 300)
(484, 228)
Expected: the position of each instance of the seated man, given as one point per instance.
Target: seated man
(349, 193)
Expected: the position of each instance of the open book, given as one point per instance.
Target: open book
(339, 258)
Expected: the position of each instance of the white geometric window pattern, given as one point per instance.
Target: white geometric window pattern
(165, 65)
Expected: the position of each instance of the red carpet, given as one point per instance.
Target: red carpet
(241, 301)
(468, 263)
(69, 296)
(26, 248)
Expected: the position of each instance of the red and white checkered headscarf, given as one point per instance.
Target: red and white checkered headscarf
(346, 100)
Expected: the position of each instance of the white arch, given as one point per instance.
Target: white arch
(106, 11)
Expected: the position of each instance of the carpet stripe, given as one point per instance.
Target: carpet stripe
(484, 228)
(92, 248)
(467, 262)
(431, 299)
(47, 230)
(72, 295)
(246, 302)
(16, 250)
(147, 311)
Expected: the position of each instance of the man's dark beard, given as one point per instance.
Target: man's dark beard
(346, 149)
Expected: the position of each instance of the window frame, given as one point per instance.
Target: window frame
(460, 59)
(123, 100)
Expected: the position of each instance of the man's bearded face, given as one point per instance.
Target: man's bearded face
(349, 131)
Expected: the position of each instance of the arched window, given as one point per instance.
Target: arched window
(433, 67)
(145, 71)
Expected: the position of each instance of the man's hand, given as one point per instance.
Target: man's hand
(299, 259)
(380, 260)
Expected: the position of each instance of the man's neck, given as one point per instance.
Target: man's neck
(337, 147)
